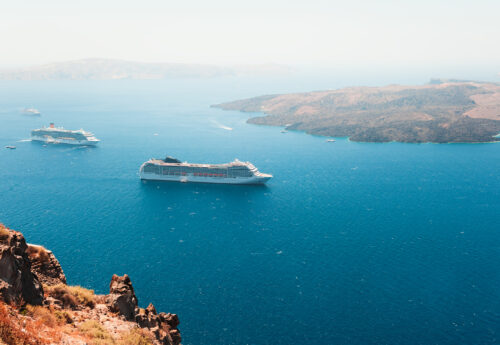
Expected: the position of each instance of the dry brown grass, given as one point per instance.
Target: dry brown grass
(11, 331)
(83, 295)
(42, 314)
(96, 333)
(37, 325)
(4, 232)
(48, 316)
(38, 253)
(63, 317)
(71, 296)
(136, 336)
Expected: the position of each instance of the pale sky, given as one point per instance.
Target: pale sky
(251, 31)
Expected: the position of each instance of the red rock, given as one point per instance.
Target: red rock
(45, 265)
(17, 283)
(151, 309)
(121, 298)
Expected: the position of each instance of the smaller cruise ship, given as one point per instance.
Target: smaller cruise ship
(31, 111)
(171, 169)
(59, 135)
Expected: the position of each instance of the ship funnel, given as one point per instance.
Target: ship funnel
(51, 125)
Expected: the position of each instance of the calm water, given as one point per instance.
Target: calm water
(350, 243)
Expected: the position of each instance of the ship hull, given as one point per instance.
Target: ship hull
(205, 179)
(64, 141)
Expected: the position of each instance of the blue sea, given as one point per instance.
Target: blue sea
(349, 243)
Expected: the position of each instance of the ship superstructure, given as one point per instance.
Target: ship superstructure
(59, 135)
(171, 169)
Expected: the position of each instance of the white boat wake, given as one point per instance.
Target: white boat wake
(221, 126)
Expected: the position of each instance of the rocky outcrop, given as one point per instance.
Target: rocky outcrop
(45, 265)
(122, 300)
(24, 267)
(18, 284)
(163, 325)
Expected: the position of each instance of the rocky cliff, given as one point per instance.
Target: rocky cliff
(37, 307)
(45, 265)
(122, 300)
(18, 283)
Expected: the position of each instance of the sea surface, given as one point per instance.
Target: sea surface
(349, 243)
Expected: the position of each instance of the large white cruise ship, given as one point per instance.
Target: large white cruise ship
(171, 169)
(60, 135)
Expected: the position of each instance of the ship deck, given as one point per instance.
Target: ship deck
(199, 165)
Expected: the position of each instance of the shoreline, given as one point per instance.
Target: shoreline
(371, 142)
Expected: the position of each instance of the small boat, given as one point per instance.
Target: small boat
(31, 111)
(330, 140)
(284, 131)
(10, 147)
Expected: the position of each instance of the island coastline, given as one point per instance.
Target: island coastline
(445, 111)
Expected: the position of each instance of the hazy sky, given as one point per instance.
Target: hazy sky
(251, 31)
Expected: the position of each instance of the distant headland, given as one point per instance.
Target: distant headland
(443, 111)
(110, 69)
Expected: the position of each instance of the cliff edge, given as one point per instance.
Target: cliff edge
(38, 307)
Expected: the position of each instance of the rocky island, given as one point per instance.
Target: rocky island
(443, 111)
(37, 307)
